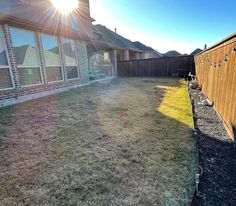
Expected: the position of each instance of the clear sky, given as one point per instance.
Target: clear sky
(181, 25)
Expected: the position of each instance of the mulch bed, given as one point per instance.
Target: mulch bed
(217, 156)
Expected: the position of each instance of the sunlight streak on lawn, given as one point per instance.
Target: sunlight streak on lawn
(176, 104)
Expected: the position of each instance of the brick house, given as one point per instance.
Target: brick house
(43, 52)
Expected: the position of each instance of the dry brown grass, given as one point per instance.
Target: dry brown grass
(100, 145)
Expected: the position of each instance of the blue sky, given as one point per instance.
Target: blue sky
(181, 25)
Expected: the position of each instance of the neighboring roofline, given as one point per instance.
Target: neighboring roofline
(219, 43)
(114, 33)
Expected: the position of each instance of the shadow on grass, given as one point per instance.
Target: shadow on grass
(97, 158)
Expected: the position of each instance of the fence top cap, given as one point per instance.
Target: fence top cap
(219, 43)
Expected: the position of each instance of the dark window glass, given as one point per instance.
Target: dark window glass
(3, 56)
(69, 50)
(54, 74)
(100, 66)
(29, 76)
(5, 78)
(72, 72)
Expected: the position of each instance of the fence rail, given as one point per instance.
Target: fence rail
(168, 66)
(216, 72)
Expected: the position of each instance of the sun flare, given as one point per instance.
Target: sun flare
(65, 6)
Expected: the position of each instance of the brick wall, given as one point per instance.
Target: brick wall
(18, 91)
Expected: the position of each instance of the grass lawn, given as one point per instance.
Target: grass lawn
(128, 142)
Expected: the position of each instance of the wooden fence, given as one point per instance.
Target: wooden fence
(168, 66)
(216, 72)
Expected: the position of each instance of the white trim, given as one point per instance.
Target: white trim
(56, 81)
(30, 85)
(8, 60)
(73, 79)
(52, 65)
(25, 67)
(4, 67)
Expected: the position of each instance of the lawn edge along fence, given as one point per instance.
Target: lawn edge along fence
(216, 73)
(165, 66)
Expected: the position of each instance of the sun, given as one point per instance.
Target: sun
(65, 6)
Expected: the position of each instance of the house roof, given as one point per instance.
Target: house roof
(108, 38)
(114, 39)
(41, 15)
(145, 48)
(172, 53)
(196, 51)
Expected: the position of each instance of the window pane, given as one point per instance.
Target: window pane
(25, 47)
(53, 74)
(75, 23)
(5, 79)
(106, 57)
(72, 72)
(29, 76)
(51, 50)
(100, 66)
(3, 57)
(69, 52)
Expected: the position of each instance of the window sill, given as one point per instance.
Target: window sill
(31, 85)
(5, 89)
(53, 82)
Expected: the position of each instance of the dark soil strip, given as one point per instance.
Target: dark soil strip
(217, 156)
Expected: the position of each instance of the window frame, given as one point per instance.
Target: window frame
(76, 58)
(38, 57)
(8, 61)
(60, 58)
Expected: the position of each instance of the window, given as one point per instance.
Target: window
(5, 75)
(106, 57)
(75, 23)
(52, 58)
(70, 56)
(100, 66)
(26, 57)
